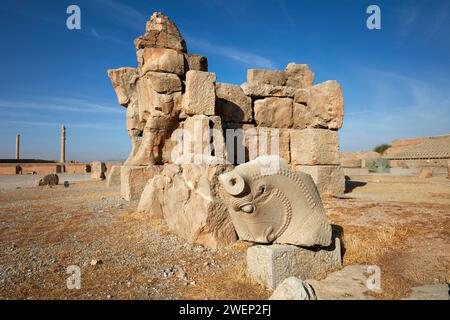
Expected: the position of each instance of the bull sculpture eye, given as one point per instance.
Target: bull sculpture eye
(248, 208)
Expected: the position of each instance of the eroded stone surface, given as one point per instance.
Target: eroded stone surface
(98, 170)
(321, 106)
(161, 32)
(274, 112)
(200, 95)
(257, 90)
(186, 196)
(203, 135)
(293, 289)
(272, 264)
(299, 76)
(232, 104)
(133, 180)
(328, 179)
(196, 62)
(314, 147)
(162, 60)
(270, 77)
(48, 180)
(350, 283)
(114, 176)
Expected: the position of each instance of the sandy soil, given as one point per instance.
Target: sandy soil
(401, 224)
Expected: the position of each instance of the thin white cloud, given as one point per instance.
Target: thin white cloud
(94, 33)
(59, 105)
(125, 14)
(245, 57)
(397, 107)
(103, 126)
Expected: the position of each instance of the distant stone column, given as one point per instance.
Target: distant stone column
(63, 145)
(17, 146)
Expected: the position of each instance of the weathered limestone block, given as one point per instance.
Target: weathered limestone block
(321, 106)
(161, 60)
(262, 141)
(274, 112)
(98, 170)
(257, 90)
(152, 196)
(196, 62)
(200, 95)
(152, 103)
(271, 264)
(161, 33)
(203, 135)
(328, 179)
(299, 76)
(232, 104)
(429, 292)
(123, 81)
(163, 82)
(186, 196)
(114, 176)
(349, 283)
(271, 77)
(314, 146)
(293, 289)
(268, 203)
(134, 178)
(426, 172)
(448, 169)
(51, 179)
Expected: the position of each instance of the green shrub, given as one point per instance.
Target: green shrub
(381, 148)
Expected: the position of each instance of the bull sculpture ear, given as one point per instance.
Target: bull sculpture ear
(233, 183)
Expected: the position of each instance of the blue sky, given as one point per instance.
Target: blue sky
(396, 81)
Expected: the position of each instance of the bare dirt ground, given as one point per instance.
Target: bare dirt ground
(401, 224)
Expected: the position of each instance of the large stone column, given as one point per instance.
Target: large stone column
(63, 145)
(17, 146)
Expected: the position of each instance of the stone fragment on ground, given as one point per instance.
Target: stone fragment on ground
(349, 283)
(430, 292)
(272, 264)
(49, 180)
(293, 289)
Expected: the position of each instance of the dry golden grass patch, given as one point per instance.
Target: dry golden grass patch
(233, 283)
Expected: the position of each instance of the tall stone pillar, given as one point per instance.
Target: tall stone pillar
(63, 145)
(17, 146)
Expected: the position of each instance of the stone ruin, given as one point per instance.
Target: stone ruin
(189, 132)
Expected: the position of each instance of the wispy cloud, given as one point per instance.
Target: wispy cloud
(239, 55)
(397, 107)
(102, 126)
(285, 11)
(58, 104)
(124, 14)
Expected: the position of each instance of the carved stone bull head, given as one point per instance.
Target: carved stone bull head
(268, 203)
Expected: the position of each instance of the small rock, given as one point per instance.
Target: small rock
(294, 289)
(95, 262)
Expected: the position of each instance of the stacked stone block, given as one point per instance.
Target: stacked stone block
(286, 104)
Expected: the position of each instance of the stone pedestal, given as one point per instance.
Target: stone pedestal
(98, 170)
(328, 179)
(272, 264)
(134, 178)
(114, 176)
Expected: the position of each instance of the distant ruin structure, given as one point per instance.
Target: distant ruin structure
(18, 147)
(62, 158)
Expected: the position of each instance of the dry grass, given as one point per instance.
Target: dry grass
(370, 245)
(232, 284)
